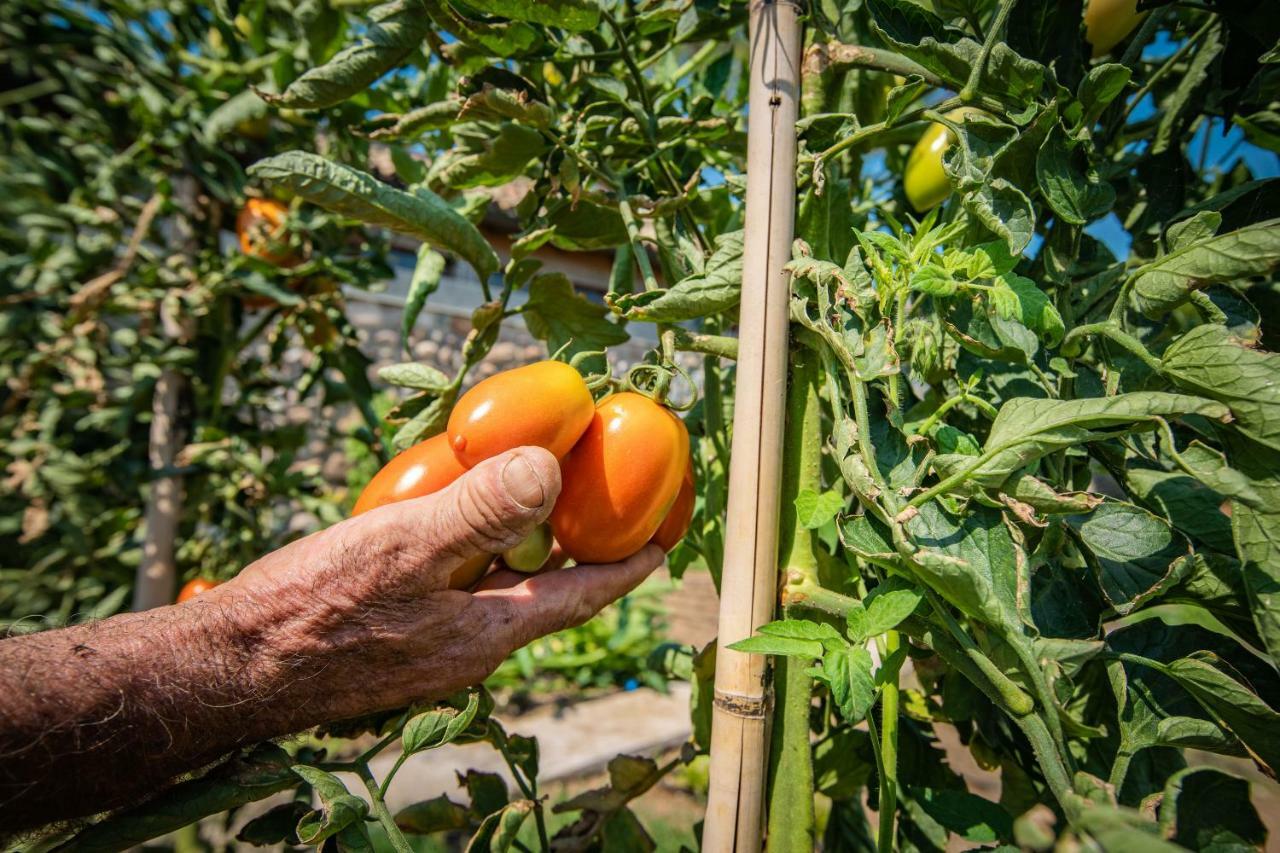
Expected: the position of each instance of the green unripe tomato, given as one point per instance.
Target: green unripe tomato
(531, 554)
(924, 180)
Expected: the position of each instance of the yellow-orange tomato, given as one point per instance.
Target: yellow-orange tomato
(546, 404)
(1109, 22)
(425, 468)
(620, 479)
(260, 227)
(192, 588)
(676, 524)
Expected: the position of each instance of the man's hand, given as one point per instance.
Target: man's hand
(354, 619)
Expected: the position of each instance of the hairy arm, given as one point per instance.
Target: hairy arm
(354, 619)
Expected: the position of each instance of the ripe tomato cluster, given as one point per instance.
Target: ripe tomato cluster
(625, 468)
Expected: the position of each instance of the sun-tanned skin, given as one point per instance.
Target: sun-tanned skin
(351, 620)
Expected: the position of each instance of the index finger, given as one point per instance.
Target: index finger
(544, 603)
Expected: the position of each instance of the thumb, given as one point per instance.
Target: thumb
(491, 508)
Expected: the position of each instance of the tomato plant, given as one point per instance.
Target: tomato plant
(1031, 460)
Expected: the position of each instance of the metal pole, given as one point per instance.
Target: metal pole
(735, 808)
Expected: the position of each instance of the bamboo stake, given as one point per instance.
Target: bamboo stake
(739, 731)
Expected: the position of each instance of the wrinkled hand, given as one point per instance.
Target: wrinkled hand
(363, 609)
(352, 620)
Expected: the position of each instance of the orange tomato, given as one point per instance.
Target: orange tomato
(260, 227)
(192, 588)
(676, 524)
(620, 480)
(545, 404)
(425, 468)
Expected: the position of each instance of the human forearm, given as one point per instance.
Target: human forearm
(94, 716)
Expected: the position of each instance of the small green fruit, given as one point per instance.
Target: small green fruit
(531, 554)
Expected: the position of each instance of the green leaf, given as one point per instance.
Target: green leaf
(763, 644)
(349, 192)
(847, 672)
(498, 831)
(716, 289)
(247, 106)
(1102, 85)
(415, 375)
(1232, 705)
(556, 314)
(1070, 181)
(1204, 808)
(426, 278)
(1166, 282)
(395, 31)
(1034, 310)
(437, 727)
(488, 792)
(572, 15)
(1210, 361)
(339, 808)
(969, 816)
(490, 160)
(970, 560)
(814, 510)
(436, 815)
(920, 35)
(277, 826)
(266, 770)
(890, 603)
(1137, 555)
(1027, 428)
(803, 629)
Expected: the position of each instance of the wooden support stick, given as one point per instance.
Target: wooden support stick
(739, 731)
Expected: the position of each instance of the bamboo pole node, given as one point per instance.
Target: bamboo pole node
(748, 707)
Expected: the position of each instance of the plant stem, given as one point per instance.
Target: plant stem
(718, 345)
(380, 810)
(888, 751)
(1119, 771)
(792, 826)
(970, 91)
(843, 57)
(1111, 330)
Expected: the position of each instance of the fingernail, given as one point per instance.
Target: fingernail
(522, 483)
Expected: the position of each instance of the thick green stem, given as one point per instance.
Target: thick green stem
(721, 345)
(1120, 770)
(888, 751)
(792, 826)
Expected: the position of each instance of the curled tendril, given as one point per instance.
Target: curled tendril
(595, 381)
(654, 381)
